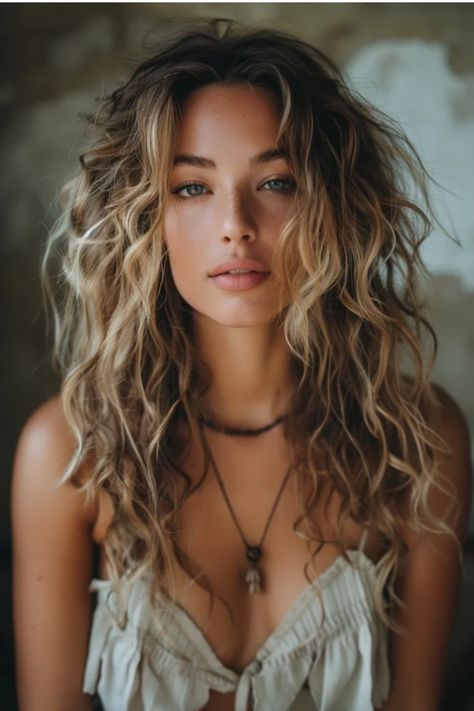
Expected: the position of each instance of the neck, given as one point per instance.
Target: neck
(251, 370)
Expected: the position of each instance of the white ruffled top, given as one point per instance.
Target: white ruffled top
(328, 653)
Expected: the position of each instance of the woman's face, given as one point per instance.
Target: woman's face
(230, 195)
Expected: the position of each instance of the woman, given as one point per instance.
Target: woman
(276, 506)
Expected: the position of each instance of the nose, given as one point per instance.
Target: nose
(238, 221)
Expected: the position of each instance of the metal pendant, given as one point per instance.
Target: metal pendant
(253, 578)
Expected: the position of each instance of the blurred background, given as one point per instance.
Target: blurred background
(413, 61)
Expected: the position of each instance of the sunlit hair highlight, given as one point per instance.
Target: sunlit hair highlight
(347, 260)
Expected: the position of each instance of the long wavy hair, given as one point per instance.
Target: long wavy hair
(347, 260)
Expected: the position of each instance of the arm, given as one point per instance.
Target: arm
(52, 567)
(429, 582)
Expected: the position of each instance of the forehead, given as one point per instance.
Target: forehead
(231, 114)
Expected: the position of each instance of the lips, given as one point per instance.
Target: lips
(235, 265)
(240, 281)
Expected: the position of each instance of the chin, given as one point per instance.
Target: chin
(242, 319)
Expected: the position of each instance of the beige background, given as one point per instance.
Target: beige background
(415, 61)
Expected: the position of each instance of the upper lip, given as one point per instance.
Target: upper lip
(252, 264)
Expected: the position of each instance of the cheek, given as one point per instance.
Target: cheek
(176, 237)
(185, 255)
(275, 216)
(182, 230)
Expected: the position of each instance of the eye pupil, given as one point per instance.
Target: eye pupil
(189, 191)
(193, 189)
(280, 184)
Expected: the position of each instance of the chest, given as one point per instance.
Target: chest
(210, 537)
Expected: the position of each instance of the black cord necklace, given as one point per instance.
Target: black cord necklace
(242, 432)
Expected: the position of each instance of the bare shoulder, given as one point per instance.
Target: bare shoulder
(455, 460)
(47, 426)
(428, 580)
(45, 447)
(39, 504)
(53, 559)
(452, 419)
(453, 428)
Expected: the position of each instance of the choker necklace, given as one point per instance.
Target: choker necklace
(242, 432)
(253, 577)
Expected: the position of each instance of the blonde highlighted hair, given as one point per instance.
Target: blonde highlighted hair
(347, 261)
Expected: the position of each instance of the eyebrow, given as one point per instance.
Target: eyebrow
(201, 162)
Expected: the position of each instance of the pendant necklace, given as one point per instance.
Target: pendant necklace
(253, 553)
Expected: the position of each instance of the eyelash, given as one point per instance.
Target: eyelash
(289, 182)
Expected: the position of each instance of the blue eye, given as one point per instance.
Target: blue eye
(280, 185)
(190, 188)
(195, 190)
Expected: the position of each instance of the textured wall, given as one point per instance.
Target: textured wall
(416, 62)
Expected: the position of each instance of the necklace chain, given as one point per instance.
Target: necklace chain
(231, 510)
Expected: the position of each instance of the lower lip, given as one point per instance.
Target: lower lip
(238, 282)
